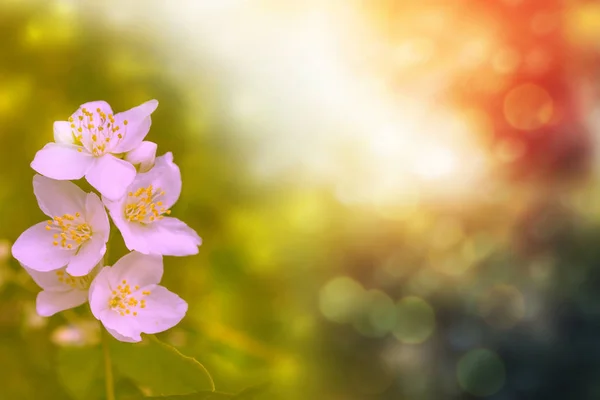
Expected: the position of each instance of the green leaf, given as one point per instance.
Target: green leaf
(252, 392)
(193, 396)
(159, 369)
(246, 394)
(80, 371)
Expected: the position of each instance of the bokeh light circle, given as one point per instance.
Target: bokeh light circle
(528, 107)
(415, 320)
(340, 299)
(506, 61)
(481, 372)
(377, 316)
(382, 316)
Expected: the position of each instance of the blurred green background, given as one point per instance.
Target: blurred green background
(379, 219)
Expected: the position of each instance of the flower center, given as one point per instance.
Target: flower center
(96, 131)
(126, 303)
(71, 231)
(76, 282)
(144, 205)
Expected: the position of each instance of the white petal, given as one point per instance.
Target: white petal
(168, 236)
(57, 198)
(95, 215)
(164, 309)
(63, 132)
(138, 269)
(142, 156)
(49, 302)
(62, 161)
(34, 248)
(88, 256)
(165, 175)
(111, 176)
(138, 124)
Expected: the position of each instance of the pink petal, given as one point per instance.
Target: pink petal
(115, 209)
(142, 156)
(92, 106)
(48, 280)
(100, 293)
(89, 255)
(57, 198)
(111, 176)
(122, 338)
(165, 175)
(96, 217)
(168, 236)
(134, 236)
(34, 248)
(49, 303)
(138, 124)
(63, 133)
(124, 325)
(164, 310)
(62, 161)
(138, 269)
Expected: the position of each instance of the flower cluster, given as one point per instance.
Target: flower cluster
(65, 254)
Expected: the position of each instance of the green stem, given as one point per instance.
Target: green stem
(108, 374)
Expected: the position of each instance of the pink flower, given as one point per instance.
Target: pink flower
(75, 236)
(141, 215)
(61, 291)
(90, 143)
(128, 301)
(143, 156)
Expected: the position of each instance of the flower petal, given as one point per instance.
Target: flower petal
(168, 236)
(137, 268)
(138, 124)
(165, 175)
(92, 106)
(142, 156)
(63, 133)
(111, 176)
(55, 281)
(48, 280)
(89, 255)
(115, 208)
(34, 248)
(134, 236)
(49, 302)
(57, 198)
(122, 338)
(95, 216)
(62, 162)
(164, 310)
(126, 327)
(100, 293)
